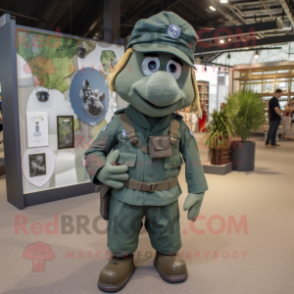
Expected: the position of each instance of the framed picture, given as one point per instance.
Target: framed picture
(37, 129)
(65, 132)
(37, 165)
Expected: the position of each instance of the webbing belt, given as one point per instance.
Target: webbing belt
(151, 187)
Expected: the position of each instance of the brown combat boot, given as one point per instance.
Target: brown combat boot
(116, 274)
(171, 268)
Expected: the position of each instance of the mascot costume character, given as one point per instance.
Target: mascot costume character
(136, 159)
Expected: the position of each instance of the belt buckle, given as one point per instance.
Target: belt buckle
(148, 187)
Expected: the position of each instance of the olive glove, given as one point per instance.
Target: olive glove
(112, 175)
(193, 204)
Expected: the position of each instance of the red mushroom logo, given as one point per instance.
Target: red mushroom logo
(39, 253)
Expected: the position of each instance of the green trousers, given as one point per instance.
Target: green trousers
(125, 223)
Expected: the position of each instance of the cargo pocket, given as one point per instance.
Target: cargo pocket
(128, 159)
(173, 162)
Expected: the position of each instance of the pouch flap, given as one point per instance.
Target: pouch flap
(103, 189)
(160, 142)
(128, 159)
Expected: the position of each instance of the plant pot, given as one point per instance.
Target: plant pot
(219, 156)
(243, 156)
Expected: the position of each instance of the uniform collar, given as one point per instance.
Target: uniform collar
(140, 119)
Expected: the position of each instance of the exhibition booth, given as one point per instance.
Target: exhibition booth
(159, 168)
(60, 103)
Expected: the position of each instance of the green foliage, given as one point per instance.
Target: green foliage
(49, 56)
(107, 60)
(245, 111)
(60, 80)
(65, 128)
(218, 132)
(30, 44)
(107, 55)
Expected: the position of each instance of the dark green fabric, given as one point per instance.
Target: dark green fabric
(141, 167)
(125, 223)
(152, 35)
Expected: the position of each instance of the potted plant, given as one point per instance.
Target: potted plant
(245, 112)
(218, 138)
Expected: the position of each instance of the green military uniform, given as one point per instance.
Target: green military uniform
(128, 206)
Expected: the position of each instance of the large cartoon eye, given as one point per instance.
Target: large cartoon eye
(150, 65)
(174, 68)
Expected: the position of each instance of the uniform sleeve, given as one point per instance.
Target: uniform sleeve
(96, 155)
(195, 177)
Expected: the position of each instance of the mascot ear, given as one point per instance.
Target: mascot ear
(195, 106)
(119, 66)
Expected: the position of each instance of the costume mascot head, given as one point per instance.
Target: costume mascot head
(136, 159)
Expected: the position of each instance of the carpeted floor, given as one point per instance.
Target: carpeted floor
(245, 244)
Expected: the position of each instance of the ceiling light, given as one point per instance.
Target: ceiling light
(212, 8)
(222, 41)
(224, 1)
(256, 54)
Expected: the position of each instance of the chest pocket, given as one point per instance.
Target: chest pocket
(128, 159)
(173, 162)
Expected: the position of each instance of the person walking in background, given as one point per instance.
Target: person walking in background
(194, 122)
(202, 120)
(275, 117)
(287, 119)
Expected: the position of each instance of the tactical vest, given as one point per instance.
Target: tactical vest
(159, 147)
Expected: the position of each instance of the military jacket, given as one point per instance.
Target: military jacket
(141, 167)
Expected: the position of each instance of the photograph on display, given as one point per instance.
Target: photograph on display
(37, 164)
(65, 132)
(89, 96)
(37, 129)
(108, 61)
(92, 100)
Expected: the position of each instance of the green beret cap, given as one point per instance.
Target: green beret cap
(165, 32)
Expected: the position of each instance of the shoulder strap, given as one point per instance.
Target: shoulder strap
(131, 133)
(174, 130)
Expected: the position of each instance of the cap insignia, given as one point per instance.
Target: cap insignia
(174, 31)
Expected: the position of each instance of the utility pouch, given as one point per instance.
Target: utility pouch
(160, 147)
(104, 200)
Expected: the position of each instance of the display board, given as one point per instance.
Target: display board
(64, 102)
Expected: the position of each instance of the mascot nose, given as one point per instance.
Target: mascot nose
(162, 89)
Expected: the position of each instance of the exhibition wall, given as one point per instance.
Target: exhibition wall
(56, 130)
(56, 102)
